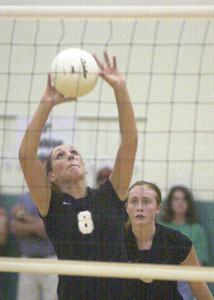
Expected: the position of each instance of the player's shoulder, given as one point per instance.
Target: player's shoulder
(163, 228)
(177, 244)
(171, 234)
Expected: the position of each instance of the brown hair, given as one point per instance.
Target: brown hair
(48, 167)
(151, 185)
(49, 163)
(168, 213)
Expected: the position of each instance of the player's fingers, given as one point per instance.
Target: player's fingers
(49, 80)
(107, 59)
(71, 99)
(67, 99)
(114, 62)
(100, 65)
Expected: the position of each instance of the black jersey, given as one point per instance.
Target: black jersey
(89, 228)
(168, 247)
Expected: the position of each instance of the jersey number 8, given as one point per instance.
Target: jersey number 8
(85, 222)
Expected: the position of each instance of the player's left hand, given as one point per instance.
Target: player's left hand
(110, 72)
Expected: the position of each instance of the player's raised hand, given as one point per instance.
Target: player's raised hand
(52, 96)
(109, 72)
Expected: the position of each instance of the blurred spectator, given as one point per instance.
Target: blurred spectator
(29, 228)
(179, 214)
(33, 243)
(102, 175)
(3, 250)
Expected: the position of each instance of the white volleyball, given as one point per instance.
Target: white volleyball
(74, 72)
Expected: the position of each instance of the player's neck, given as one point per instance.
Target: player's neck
(144, 235)
(76, 189)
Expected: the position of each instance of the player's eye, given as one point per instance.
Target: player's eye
(59, 156)
(146, 201)
(74, 152)
(134, 201)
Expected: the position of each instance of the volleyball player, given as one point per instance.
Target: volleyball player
(82, 223)
(150, 242)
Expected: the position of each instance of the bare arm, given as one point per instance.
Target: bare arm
(24, 224)
(123, 168)
(3, 227)
(28, 226)
(37, 180)
(199, 289)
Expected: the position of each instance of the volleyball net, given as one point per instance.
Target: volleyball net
(167, 61)
(166, 57)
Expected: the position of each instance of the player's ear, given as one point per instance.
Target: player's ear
(51, 177)
(159, 207)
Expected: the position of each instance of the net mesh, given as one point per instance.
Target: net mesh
(168, 66)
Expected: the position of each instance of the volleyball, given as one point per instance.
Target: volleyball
(74, 72)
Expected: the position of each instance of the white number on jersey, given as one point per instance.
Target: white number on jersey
(85, 222)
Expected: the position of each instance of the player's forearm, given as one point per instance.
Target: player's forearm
(31, 139)
(37, 225)
(201, 291)
(127, 122)
(20, 229)
(26, 228)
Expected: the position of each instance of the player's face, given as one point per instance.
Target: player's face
(67, 164)
(142, 206)
(179, 205)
